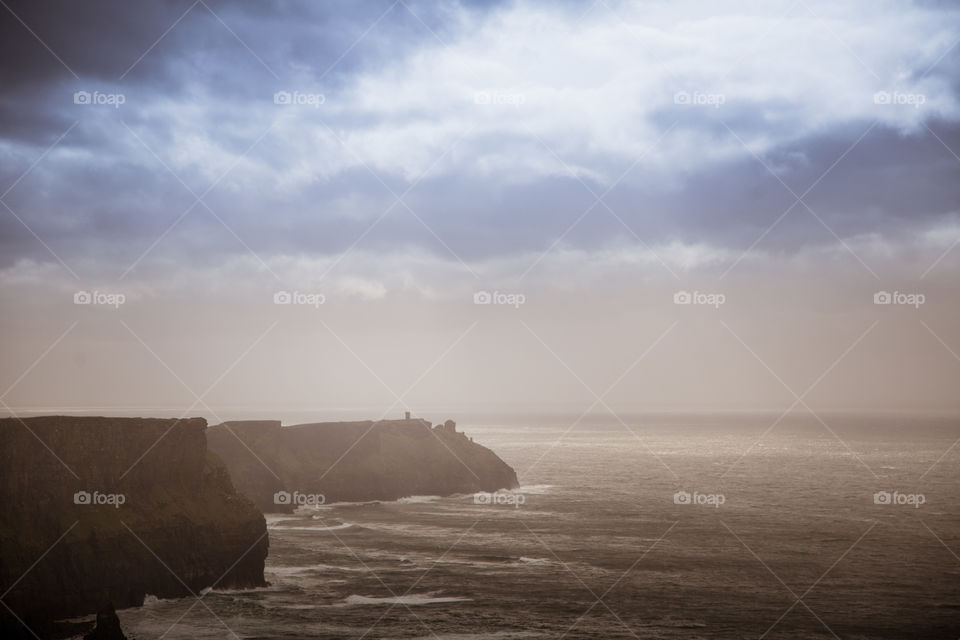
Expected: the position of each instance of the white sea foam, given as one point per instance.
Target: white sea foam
(331, 567)
(535, 489)
(526, 560)
(287, 571)
(418, 499)
(505, 635)
(409, 600)
(335, 527)
(299, 570)
(306, 510)
(336, 505)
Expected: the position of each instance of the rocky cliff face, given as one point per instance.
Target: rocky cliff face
(150, 511)
(355, 461)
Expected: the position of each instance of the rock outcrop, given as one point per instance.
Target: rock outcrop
(99, 510)
(108, 626)
(354, 461)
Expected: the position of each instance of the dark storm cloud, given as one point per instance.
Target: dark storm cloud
(151, 52)
(103, 39)
(164, 46)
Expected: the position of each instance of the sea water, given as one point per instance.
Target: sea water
(653, 527)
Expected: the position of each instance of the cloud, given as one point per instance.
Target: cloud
(599, 90)
(500, 126)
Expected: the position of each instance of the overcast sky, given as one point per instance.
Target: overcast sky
(396, 158)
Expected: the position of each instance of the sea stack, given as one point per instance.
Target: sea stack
(108, 626)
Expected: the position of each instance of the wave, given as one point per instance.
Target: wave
(505, 635)
(335, 527)
(410, 529)
(234, 590)
(535, 489)
(317, 568)
(408, 600)
(287, 571)
(418, 499)
(342, 505)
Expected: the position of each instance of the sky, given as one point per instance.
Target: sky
(601, 207)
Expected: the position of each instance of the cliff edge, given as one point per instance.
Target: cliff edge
(355, 461)
(100, 511)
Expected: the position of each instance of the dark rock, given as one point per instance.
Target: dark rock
(181, 526)
(355, 461)
(108, 626)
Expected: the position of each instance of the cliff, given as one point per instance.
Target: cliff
(355, 461)
(172, 525)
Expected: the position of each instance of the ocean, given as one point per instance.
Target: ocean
(663, 527)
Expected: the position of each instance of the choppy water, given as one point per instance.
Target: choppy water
(600, 549)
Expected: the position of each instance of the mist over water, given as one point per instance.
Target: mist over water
(770, 519)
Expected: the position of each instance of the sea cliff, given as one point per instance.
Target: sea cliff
(100, 511)
(354, 461)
